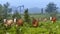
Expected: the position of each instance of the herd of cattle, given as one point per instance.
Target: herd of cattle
(20, 22)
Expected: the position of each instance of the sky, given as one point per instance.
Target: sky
(30, 3)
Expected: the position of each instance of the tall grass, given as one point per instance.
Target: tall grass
(43, 28)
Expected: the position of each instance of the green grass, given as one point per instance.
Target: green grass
(43, 28)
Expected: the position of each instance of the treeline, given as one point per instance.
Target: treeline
(6, 11)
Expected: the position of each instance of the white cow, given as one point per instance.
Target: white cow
(50, 18)
(8, 22)
(4, 20)
(15, 20)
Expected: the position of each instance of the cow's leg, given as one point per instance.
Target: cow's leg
(52, 21)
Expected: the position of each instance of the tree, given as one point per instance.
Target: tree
(51, 9)
(16, 14)
(9, 14)
(41, 10)
(1, 10)
(26, 16)
(6, 10)
(1, 13)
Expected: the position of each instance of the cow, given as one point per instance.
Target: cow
(50, 18)
(35, 22)
(19, 22)
(4, 20)
(45, 19)
(8, 22)
(53, 19)
(14, 20)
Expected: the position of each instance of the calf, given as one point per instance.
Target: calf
(53, 19)
(35, 23)
(19, 22)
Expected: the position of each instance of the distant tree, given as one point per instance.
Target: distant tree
(6, 10)
(16, 14)
(1, 8)
(26, 16)
(41, 10)
(9, 10)
(51, 9)
(1, 13)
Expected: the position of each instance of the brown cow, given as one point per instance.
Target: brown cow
(35, 22)
(53, 19)
(19, 22)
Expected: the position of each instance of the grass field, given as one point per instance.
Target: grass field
(43, 28)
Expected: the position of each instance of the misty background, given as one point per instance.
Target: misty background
(34, 6)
